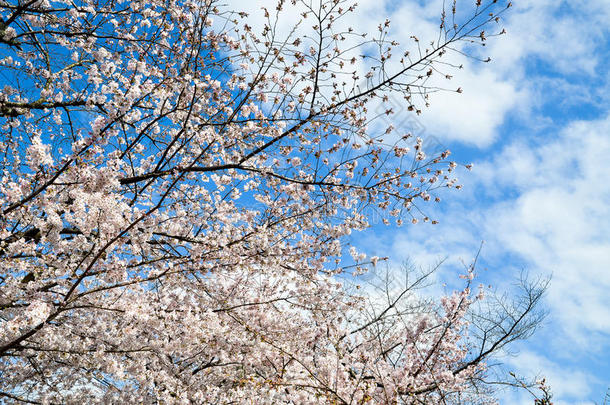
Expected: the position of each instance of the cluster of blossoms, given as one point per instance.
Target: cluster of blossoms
(176, 191)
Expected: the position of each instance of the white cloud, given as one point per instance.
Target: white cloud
(565, 34)
(474, 116)
(560, 221)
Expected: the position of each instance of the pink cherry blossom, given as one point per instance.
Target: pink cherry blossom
(178, 189)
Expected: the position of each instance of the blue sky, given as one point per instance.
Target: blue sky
(536, 124)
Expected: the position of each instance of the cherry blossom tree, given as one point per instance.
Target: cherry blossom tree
(177, 188)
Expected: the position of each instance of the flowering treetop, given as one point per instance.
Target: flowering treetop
(176, 189)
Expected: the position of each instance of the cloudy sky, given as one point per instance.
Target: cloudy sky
(536, 124)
